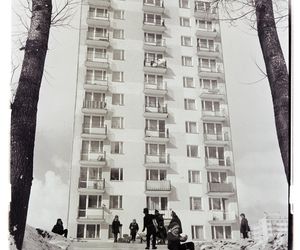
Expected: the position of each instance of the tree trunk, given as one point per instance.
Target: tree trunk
(23, 117)
(278, 76)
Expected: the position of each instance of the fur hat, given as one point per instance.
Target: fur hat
(173, 225)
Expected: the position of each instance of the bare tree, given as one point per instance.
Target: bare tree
(24, 105)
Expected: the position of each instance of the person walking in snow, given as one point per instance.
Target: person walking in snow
(151, 231)
(116, 227)
(244, 228)
(134, 227)
(59, 228)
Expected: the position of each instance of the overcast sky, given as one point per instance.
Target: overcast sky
(261, 183)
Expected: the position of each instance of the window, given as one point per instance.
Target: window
(118, 14)
(214, 152)
(189, 104)
(187, 61)
(159, 203)
(153, 79)
(115, 202)
(117, 76)
(117, 122)
(206, 44)
(208, 64)
(97, 13)
(184, 3)
(194, 176)
(155, 149)
(185, 22)
(191, 127)
(188, 82)
(118, 54)
(118, 34)
(210, 106)
(192, 151)
(116, 147)
(216, 204)
(210, 84)
(204, 25)
(221, 232)
(197, 233)
(95, 76)
(186, 41)
(88, 231)
(212, 129)
(116, 174)
(205, 7)
(90, 121)
(97, 33)
(96, 54)
(154, 39)
(154, 102)
(195, 203)
(92, 146)
(118, 99)
(90, 178)
(217, 177)
(154, 19)
(155, 125)
(156, 175)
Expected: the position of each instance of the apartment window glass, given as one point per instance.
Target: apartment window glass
(195, 203)
(118, 34)
(210, 106)
(189, 104)
(117, 122)
(155, 149)
(221, 232)
(159, 203)
(97, 13)
(204, 25)
(118, 99)
(206, 63)
(118, 14)
(117, 76)
(94, 54)
(191, 127)
(186, 41)
(153, 19)
(194, 176)
(185, 22)
(210, 84)
(116, 174)
(153, 38)
(184, 3)
(215, 203)
(187, 61)
(115, 202)
(97, 33)
(116, 147)
(80, 231)
(153, 79)
(94, 201)
(118, 54)
(192, 151)
(156, 175)
(206, 44)
(188, 82)
(95, 76)
(197, 232)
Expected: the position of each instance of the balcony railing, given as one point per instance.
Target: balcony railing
(103, 16)
(93, 156)
(219, 113)
(94, 104)
(99, 58)
(160, 109)
(159, 158)
(157, 63)
(154, 22)
(158, 185)
(219, 216)
(87, 129)
(157, 133)
(199, 8)
(210, 69)
(211, 162)
(99, 82)
(154, 3)
(97, 184)
(98, 38)
(156, 86)
(214, 48)
(91, 213)
(157, 42)
(220, 187)
(217, 137)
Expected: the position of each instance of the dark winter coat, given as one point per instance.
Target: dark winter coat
(148, 223)
(134, 227)
(116, 226)
(173, 241)
(176, 219)
(244, 226)
(58, 229)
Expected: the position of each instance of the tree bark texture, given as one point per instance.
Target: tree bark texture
(23, 117)
(278, 76)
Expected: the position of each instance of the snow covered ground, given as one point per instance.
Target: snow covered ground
(42, 240)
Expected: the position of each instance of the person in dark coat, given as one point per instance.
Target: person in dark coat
(59, 228)
(161, 230)
(175, 219)
(175, 239)
(116, 227)
(148, 223)
(244, 228)
(134, 227)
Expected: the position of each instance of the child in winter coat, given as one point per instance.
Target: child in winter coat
(175, 239)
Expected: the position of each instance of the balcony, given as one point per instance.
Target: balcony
(94, 107)
(156, 25)
(213, 72)
(159, 89)
(217, 139)
(100, 3)
(101, 85)
(213, 51)
(94, 133)
(93, 158)
(220, 188)
(99, 41)
(206, 33)
(98, 21)
(92, 186)
(159, 160)
(158, 45)
(218, 164)
(218, 116)
(97, 63)
(156, 6)
(209, 14)
(221, 217)
(216, 93)
(156, 135)
(158, 66)
(91, 215)
(156, 112)
(158, 186)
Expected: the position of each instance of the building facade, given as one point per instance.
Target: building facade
(269, 226)
(151, 124)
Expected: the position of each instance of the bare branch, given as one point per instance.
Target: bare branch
(63, 15)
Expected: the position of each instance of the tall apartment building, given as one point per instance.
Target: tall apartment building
(151, 122)
(269, 226)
